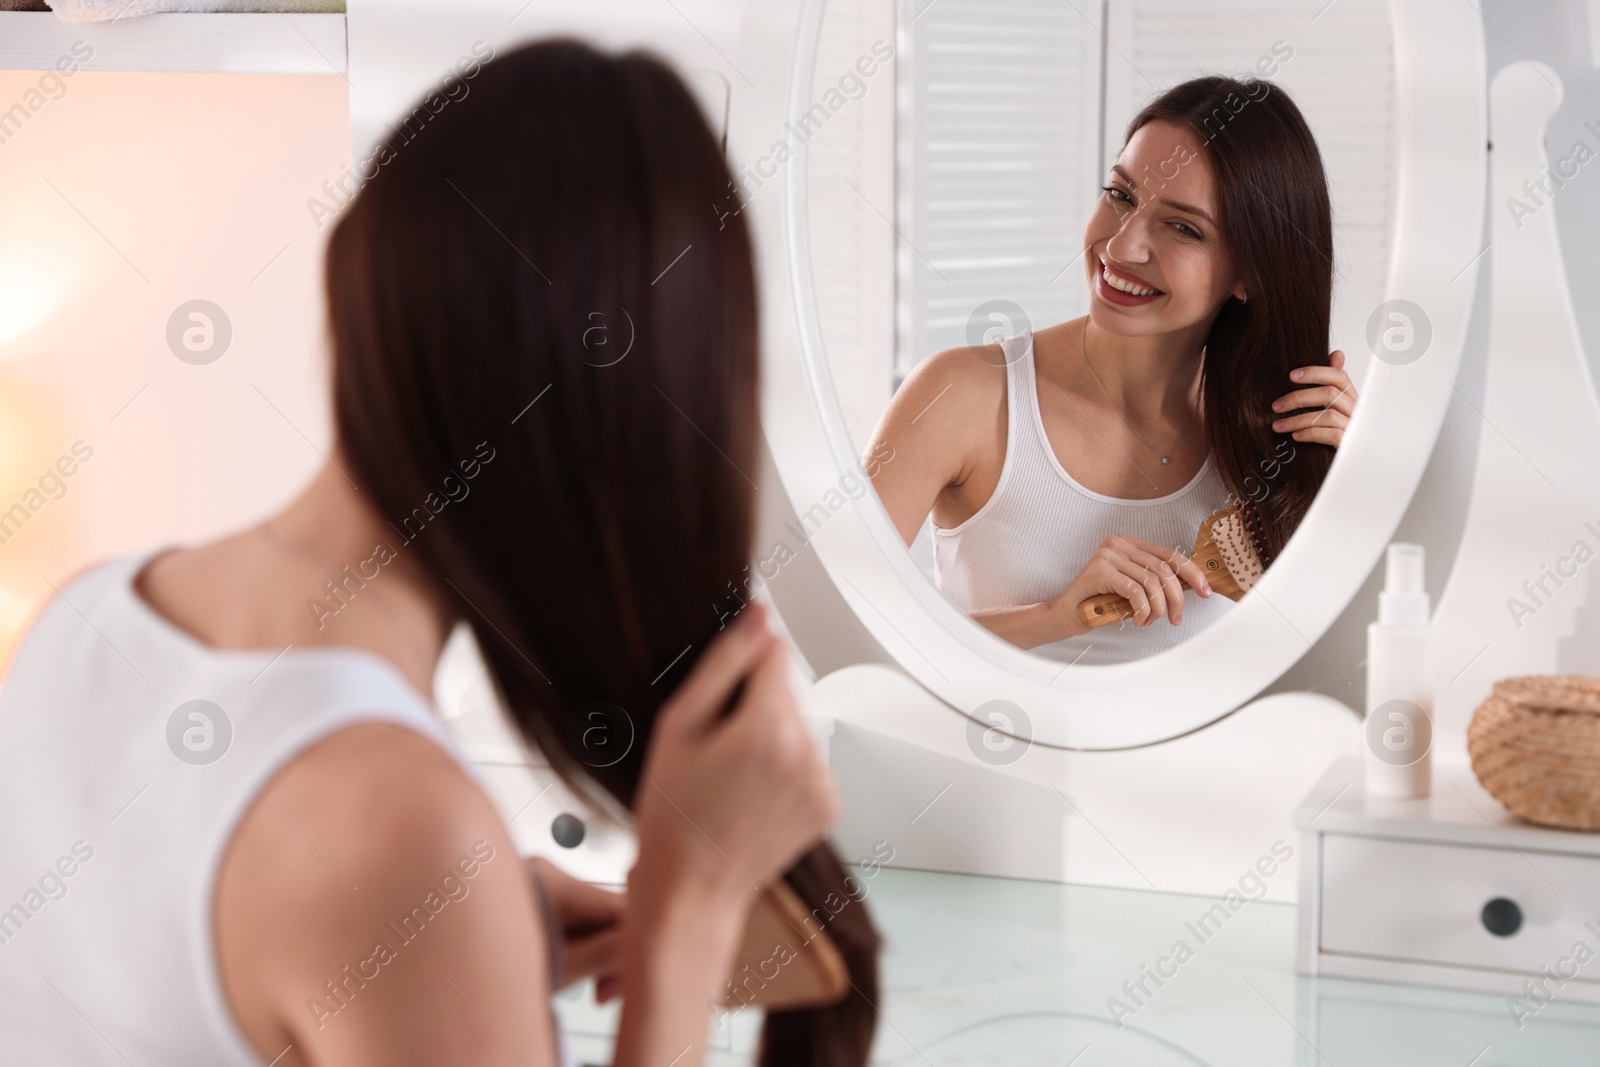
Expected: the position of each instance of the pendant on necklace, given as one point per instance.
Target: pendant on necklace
(1163, 461)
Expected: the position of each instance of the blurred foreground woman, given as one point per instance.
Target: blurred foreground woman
(233, 829)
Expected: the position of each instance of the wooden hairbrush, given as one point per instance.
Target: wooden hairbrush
(786, 959)
(1229, 549)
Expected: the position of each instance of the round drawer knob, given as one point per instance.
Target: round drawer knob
(1502, 917)
(568, 830)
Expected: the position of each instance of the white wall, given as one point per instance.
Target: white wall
(123, 197)
(401, 48)
(1557, 33)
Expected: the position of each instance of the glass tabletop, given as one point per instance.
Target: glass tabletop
(993, 971)
(985, 971)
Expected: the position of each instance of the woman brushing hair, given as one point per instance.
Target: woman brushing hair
(545, 388)
(1081, 459)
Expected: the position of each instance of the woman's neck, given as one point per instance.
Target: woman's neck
(325, 571)
(330, 522)
(375, 593)
(1146, 377)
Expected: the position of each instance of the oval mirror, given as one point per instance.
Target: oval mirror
(926, 176)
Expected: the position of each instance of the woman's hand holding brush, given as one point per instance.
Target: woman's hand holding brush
(729, 801)
(1230, 556)
(1150, 577)
(726, 802)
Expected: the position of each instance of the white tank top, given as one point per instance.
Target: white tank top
(109, 841)
(1040, 526)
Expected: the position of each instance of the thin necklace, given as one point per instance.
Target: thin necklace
(1083, 343)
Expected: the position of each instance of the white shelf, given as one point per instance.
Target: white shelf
(180, 43)
(1458, 811)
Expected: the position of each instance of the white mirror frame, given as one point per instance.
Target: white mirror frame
(1441, 141)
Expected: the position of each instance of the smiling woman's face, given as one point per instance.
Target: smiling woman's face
(1154, 233)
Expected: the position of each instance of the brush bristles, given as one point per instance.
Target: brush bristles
(1255, 527)
(1236, 533)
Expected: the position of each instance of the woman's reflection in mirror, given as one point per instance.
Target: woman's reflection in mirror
(1080, 459)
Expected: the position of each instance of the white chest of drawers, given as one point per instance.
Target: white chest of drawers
(1448, 890)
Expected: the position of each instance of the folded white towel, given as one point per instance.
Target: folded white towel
(111, 10)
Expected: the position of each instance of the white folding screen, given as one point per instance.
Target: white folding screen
(1339, 70)
(999, 163)
(850, 185)
(1012, 109)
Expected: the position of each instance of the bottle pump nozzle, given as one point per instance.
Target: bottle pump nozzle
(1404, 598)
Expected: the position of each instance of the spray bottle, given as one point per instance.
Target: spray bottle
(1399, 726)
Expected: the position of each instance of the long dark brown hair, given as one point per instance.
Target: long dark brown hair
(1275, 216)
(545, 377)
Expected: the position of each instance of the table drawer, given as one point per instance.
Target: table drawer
(1408, 900)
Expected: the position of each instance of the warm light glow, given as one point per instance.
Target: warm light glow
(30, 292)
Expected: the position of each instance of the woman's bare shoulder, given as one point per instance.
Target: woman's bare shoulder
(979, 371)
(369, 869)
(951, 395)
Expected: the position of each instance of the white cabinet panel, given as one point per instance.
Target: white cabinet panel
(1417, 901)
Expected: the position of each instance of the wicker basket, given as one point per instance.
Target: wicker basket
(1535, 746)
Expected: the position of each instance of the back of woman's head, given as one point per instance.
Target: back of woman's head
(1276, 217)
(545, 350)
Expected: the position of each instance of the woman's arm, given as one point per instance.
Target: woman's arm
(1030, 625)
(941, 424)
(590, 919)
(370, 907)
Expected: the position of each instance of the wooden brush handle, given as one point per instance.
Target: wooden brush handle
(1104, 609)
(1107, 608)
(786, 960)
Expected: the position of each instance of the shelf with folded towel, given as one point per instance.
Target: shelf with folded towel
(210, 43)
